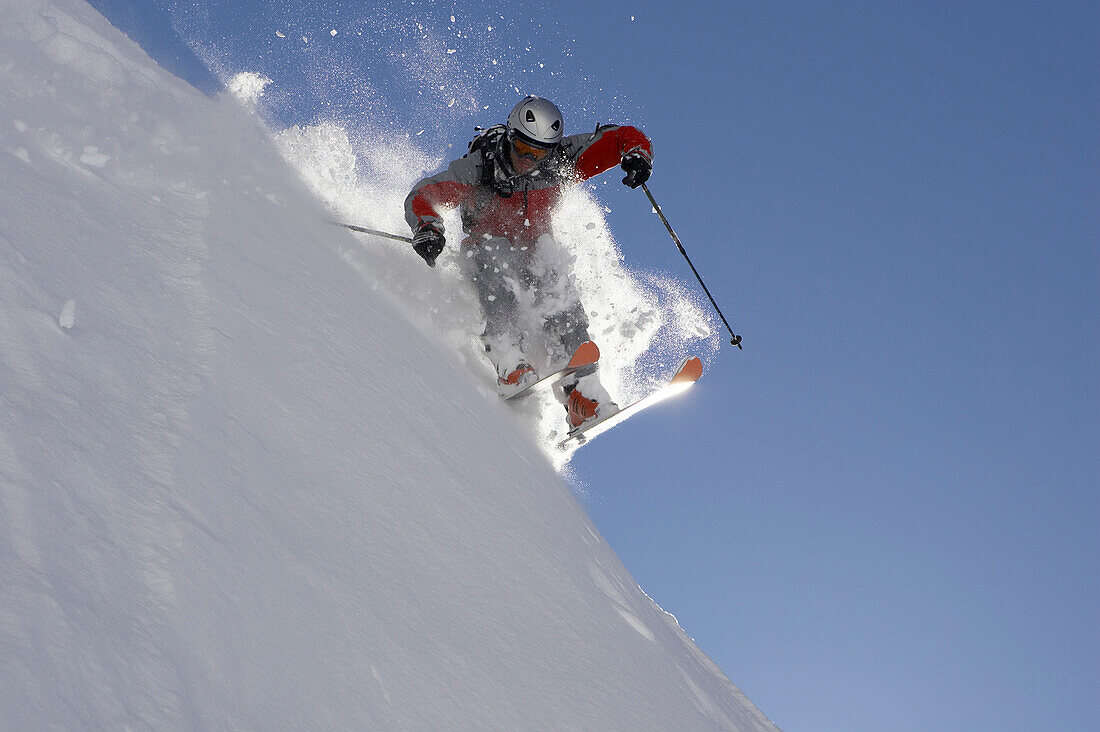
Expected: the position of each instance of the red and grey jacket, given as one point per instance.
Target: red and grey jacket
(492, 204)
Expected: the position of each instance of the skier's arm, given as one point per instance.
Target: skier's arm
(432, 196)
(607, 147)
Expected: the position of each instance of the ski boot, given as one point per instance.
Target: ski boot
(586, 400)
(512, 380)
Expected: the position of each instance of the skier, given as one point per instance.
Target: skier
(506, 187)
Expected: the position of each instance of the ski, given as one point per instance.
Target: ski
(686, 375)
(586, 354)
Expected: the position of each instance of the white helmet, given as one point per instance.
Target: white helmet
(536, 120)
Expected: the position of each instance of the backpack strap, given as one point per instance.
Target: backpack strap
(487, 142)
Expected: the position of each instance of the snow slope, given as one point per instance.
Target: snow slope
(238, 490)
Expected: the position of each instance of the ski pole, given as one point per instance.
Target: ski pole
(373, 232)
(735, 339)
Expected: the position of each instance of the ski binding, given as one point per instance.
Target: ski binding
(586, 354)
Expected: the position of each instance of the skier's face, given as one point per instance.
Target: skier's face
(526, 158)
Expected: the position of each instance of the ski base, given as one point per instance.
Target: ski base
(689, 371)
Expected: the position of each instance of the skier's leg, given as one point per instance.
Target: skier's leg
(566, 327)
(564, 323)
(493, 278)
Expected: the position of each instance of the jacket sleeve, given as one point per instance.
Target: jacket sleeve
(435, 194)
(595, 152)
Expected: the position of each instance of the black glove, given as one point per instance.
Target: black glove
(428, 241)
(638, 166)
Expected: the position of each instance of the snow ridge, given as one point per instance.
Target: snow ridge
(238, 489)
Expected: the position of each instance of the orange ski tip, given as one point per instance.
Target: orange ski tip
(690, 371)
(585, 354)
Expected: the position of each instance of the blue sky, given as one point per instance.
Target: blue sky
(883, 513)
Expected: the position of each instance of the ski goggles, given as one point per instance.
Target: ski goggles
(526, 150)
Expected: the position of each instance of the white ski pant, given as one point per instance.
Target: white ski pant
(532, 311)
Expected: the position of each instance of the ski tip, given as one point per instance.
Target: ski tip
(689, 372)
(587, 353)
